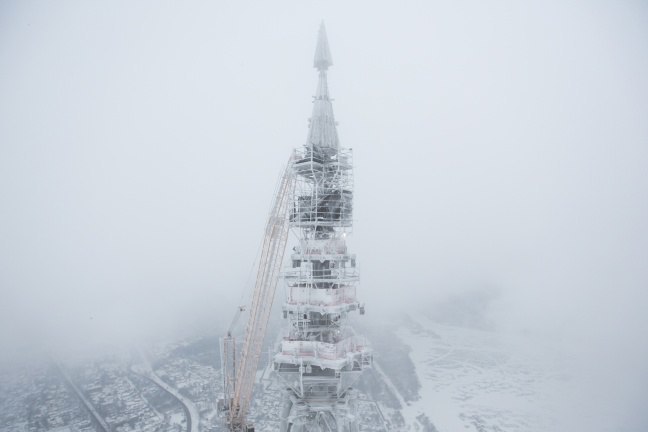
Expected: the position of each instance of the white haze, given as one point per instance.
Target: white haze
(499, 146)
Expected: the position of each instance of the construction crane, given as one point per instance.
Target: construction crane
(239, 374)
(228, 361)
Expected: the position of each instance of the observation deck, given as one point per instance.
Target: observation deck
(323, 300)
(352, 354)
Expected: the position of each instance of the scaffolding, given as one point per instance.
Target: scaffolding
(320, 357)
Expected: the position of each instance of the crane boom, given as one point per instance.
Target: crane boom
(239, 311)
(272, 252)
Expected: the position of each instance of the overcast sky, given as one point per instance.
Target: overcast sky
(498, 146)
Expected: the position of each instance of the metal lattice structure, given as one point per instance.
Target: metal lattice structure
(320, 357)
(239, 374)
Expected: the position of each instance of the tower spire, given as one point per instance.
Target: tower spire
(321, 358)
(322, 133)
(323, 57)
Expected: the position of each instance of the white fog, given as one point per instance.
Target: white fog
(500, 179)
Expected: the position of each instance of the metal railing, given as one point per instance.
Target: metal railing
(321, 297)
(324, 350)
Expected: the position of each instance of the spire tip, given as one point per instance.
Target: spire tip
(323, 57)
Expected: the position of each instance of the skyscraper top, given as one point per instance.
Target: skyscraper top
(323, 57)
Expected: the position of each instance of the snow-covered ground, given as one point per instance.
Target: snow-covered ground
(450, 378)
(475, 380)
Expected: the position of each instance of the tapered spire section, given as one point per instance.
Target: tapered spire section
(322, 134)
(323, 57)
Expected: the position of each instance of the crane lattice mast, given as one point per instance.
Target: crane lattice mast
(240, 374)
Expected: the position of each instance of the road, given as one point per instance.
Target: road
(98, 418)
(190, 409)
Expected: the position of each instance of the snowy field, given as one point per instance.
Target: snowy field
(473, 380)
(467, 379)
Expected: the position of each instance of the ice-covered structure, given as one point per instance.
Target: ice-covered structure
(320, 357)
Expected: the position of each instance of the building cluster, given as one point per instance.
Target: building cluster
(102, 395)
(198, 382)
(38, 399)
(123, 400)
(51, 398)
